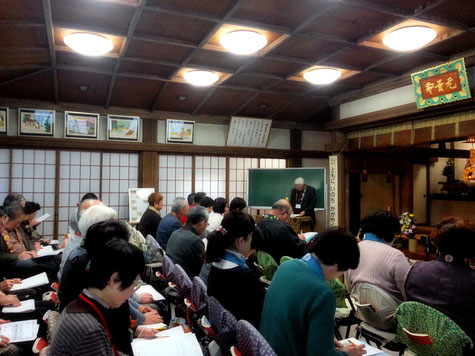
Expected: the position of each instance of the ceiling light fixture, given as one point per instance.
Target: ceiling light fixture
(322, 75)
(243, 41)
(88, 44)
(201, 78)
(409, 38)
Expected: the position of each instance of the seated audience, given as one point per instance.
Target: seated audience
(230, 280)
(75, 216)
(216, 216)
(185, 246)
(16, 254)
(92, 216)
(171, 222)
(27, 228)
(207, 203)
(197, 197)
(76, 274)
(237, 204)
(448, 283)
(84, 326)
(76, 239)
(151, 217)
(380, 264)
(278, 237)
(299, 307)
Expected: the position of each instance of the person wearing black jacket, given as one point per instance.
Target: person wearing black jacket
(303, 199)
(151, 217)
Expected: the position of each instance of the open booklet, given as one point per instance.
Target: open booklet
(43, 217)
(32, 282)
(48, 251)
(20, 331)
(147, 288)
(25, 306)
(171, 342)
(370, 350)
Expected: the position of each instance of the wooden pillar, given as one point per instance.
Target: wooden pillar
(148, 160)
(295, 145)
(406, 190)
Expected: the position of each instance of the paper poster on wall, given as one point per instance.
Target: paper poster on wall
(333, 194)
(246, 132)
(138, 202)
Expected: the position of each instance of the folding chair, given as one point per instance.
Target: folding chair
(250, 342)
(224, 324)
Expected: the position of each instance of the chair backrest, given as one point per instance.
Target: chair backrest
(183, 282)
(340, 292)
(251, 342)
(267, 264)
(199, 293)
(446, 336)
(223, 323)
(380, 312)
(168, 268)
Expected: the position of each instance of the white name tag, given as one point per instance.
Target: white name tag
(298, 206)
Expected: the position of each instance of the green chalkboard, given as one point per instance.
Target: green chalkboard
(266, 186)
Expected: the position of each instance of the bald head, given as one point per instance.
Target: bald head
(282, 209)
(86, 204)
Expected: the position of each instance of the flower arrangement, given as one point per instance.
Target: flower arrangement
(408, 224)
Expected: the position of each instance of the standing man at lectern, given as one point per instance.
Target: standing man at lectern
(303, 199)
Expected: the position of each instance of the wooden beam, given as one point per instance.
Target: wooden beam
(133, 24)
(25, 76)
(52, 54)
(112, 146)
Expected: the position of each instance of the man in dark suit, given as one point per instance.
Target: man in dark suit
(303, 199)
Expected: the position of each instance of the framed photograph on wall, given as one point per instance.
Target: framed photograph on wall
(36, 122)
(80, 125)
(123, 127)
(3, 120)
(180, 131)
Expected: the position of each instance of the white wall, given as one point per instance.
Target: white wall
(386, 100)
(315, 140)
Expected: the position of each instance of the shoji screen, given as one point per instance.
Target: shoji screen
(119, 173)
(33, 176)
(174, 179)
(4, 173)
(79, 174)
(238, 176)
(210, 176)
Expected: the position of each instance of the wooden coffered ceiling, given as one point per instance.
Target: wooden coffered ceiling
(156, 39)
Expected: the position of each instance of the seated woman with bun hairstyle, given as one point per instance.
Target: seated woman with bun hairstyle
(231, 282)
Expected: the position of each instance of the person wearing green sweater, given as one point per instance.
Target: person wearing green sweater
(299, 307)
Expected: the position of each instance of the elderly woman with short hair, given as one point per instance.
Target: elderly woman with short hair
(448, 282)
(151, 217)
(84, 326)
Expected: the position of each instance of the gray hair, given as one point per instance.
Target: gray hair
(178, 204)
(197, 214)
(299, 181)
(95, 214)
(13, 211)
(282, 205)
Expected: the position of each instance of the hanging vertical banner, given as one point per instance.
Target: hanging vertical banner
(333, 194)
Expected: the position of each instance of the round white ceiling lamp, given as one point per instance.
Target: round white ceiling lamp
(243, 41)
(201, 78)
(409, 38)
(322, 75)
(88, 44)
